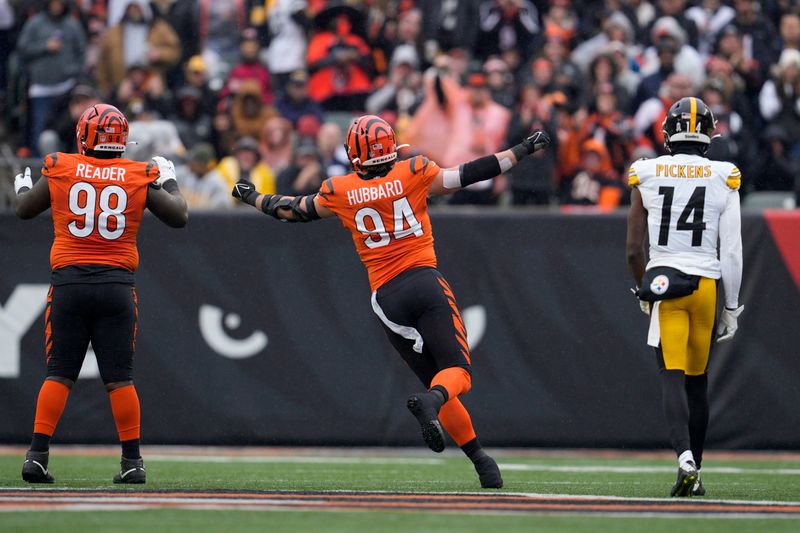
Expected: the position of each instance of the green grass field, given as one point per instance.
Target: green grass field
(727, 477)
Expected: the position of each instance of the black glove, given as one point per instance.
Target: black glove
(245, 191)
(536, 141)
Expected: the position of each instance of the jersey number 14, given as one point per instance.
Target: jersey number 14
(694, 209)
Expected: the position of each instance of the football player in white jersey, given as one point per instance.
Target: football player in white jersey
(685, 204)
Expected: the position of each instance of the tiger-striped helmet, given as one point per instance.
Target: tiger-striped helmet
(370, 142)
(102, 128)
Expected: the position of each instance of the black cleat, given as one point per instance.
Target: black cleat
(687, 476)
(34, 469)
(698, 489)
(489, 473)
(131, 471)
(425, 408)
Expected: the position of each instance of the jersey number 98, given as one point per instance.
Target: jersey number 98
(83, 201)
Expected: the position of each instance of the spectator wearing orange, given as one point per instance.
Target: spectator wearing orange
(338, 61)
(248, 112)
(648, 118)
(135, 38)
(595, 183)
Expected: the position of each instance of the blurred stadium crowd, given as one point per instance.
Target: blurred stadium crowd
(232, 88)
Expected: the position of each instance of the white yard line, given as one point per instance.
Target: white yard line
(294, 459)
(643, 469)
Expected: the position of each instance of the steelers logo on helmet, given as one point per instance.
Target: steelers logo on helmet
(659, 285)
(688, 120)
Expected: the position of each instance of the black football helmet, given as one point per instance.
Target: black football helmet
(688, 120)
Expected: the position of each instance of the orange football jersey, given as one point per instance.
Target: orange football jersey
(387, 216)
(97, 208)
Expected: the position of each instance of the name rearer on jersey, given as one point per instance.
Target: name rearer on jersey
(683, 171)
(87, 171)
(370, 194)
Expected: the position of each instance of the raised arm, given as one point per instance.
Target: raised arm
(31, 199)
(164, 199)
(283, 208)
(452, 179)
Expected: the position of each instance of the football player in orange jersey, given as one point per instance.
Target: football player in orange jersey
(384, 204)
(97, 200)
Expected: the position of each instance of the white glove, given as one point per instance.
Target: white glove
(728, 323)
(23, 180)
(166, 170)
(644, 306)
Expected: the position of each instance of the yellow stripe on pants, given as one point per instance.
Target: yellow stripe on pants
(687, 327)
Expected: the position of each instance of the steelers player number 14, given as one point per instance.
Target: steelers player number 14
(84, 201)
(405, 224)
(694, 208)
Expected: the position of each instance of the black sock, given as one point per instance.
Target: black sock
(441, 393)
(474, 450)
(697, 395)
(676, 409)
(130, 449)
(40, 442)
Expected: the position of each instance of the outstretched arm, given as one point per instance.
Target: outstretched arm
(31, 199)
(451, 179)
(283, 208)
(164, 199)
(637, 230)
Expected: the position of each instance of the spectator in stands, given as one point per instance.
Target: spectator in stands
(248, 111)
(480, 128)
(776, 169)
(735, 142)
(501, 82)
(333, 156)
(616, 28)
(339, 63)
(402, 93)
(142, 90)
(709, 17)
(763, 41)
(648, 118)
(448, 24)
(561, 22)
(595, 183)
(194, 75)
(275, 143)
(193, 125)
(686, 60)
(731, 49)
(7, 22)
(532, 179)
(676, 10)
(790, 31)
(135, 38)
(220, 24)
(305, 174)
(286, 54)
(604, 71)
(666, 49)
(779, 100)
(507, 25)
(245, 163)
(59, 133)
(202, 187)
(249, 68)
(52, 46)
(295, 103)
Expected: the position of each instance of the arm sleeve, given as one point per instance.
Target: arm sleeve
(730, 249)
(325, 195)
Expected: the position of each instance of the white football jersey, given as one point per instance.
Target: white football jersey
(684, 196)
